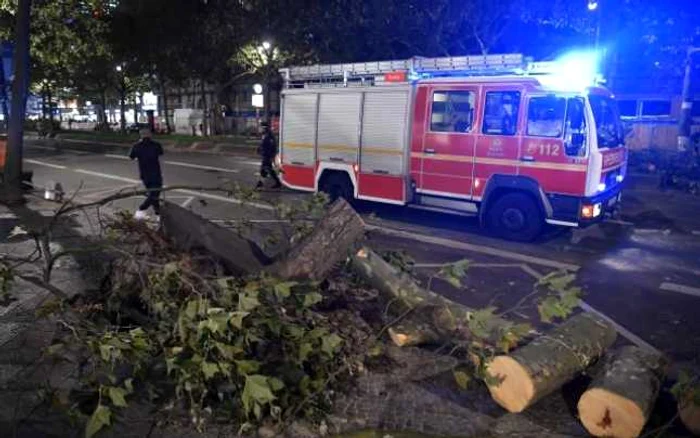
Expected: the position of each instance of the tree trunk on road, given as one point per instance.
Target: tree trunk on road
(334, 237)
(432, 314)
(623, 393)
(545, 364)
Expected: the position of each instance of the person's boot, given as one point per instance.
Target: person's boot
(259, 185)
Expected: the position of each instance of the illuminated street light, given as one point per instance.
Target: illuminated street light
(592, 5)
(258, 89)
(266, 45)
(119, 68)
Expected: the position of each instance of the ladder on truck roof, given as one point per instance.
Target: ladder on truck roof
(401, 71)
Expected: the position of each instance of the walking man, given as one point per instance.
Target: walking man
(267, 151)
(148, 153)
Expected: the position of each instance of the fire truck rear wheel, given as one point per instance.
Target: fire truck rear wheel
(515, 216)
(337, 185)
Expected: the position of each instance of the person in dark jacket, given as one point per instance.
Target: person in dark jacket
(148, 153)
(267, 151)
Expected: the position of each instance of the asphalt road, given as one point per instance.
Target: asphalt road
(643, 275)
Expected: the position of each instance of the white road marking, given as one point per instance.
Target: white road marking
(107, 176)
(119, 157)
(8, 216)
(225, 199)
(639, 342)
(681, 289)
(696, 232)
(471, 265)
(43, 163)
(187, 202)
(253, 221)
(199, 166)
(474, 248)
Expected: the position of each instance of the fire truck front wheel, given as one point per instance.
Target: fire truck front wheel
(515, 216)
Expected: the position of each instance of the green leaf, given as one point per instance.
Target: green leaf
(284, 290)
(247, 302)
(117, 395)
(256, 392)
(454, 281)
(246, 367)
(129, 385)
(330, 343)
(312, 299)
(209, 370)
(462, 379)
(105, 352)
(236, 319)
(304, 350)
(192, 308)
(276, 384)
(481, 322)
(100, 418)
(170, 268)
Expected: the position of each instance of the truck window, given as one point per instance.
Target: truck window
(575, 141)
(452, 111)
(501, 112)
(545, 116)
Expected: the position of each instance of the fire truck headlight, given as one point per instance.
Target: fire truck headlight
(601, 187)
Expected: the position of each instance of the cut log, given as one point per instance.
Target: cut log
(413, 333)
(429, 308)
(620, 398)
(189, 230)
(545, 364)
(690, 416)
(334, 238)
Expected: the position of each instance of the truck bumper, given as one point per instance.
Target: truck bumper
(576, 211)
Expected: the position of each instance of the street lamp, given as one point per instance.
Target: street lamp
(119, 68)
(592, 5)
(266, 45)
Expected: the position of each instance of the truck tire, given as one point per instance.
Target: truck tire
(515, 216)
(337, 185)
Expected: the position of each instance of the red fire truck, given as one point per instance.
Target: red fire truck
(518, 143)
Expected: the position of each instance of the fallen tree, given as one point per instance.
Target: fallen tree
(545, 364)
(622, 395)
(433, 317)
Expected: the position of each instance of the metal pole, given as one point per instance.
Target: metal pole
(687, 105)
(122, 103)
(12, 175)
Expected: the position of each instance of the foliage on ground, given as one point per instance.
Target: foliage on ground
(173, 328)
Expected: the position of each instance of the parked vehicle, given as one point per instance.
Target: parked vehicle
(517, 143)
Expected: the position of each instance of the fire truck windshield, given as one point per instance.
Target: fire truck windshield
(607, 120)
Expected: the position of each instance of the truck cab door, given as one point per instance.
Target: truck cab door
(498, 144)
(449, 141)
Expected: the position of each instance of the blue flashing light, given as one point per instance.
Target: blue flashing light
(575, 71)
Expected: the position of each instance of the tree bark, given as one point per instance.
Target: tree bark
(166, 109)
(429, 310)
(411, 333)
(188, 230)
(621, 397)
(12, 173)
(205, 112)
(334, 237)
(545, 364)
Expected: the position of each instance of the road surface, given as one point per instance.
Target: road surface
(645, 278)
